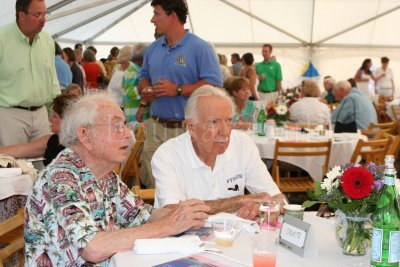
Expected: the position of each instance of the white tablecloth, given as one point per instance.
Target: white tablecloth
(341, 151)
(329, 253)
(17, 185)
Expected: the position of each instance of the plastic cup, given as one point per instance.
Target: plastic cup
(269, 213)
(264, 249)
(225, 232)
(294, 210)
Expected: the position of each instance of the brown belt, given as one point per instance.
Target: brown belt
(169, 123)
(28, 108)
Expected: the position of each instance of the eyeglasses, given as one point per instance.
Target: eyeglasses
(38, 15)
(118, 127)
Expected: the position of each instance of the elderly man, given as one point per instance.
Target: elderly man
(328, 95)
(174, 66)
(28, 78)
(354, 106)
(211, 162)
(79, 212)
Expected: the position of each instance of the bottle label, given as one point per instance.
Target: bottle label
(376, 249)
(389, 179)
(394, 247)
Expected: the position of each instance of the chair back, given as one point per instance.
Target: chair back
(396, 116)
(131, 168)
(12, 235)
(394, 142)
(145, 194)
(372, 150)
(306, 149)
(389, 127)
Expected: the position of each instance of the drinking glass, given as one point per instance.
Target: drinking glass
(269, 214)
(294, 210)
(225, 232)
(264, 249)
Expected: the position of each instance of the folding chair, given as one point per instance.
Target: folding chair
(12, 235)
(306, 149)
(372, 150)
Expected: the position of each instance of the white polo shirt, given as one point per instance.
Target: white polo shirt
(181, 175)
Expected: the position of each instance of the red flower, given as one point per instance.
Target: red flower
(271, 111)
(357, 182)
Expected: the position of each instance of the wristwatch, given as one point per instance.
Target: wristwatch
(179, 90)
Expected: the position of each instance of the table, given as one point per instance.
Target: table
(330, 254)
(13, 194)
(341, 151)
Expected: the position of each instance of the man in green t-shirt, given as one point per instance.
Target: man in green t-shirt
(270, 75)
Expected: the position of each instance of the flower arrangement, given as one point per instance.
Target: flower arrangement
(352, 191)
(279, 114)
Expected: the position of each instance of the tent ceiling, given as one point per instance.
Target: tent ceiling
(229, 22)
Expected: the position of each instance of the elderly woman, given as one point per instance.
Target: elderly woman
(47, 146)
(309, 109)
(79, 212)
(115, 86)
(239, 89)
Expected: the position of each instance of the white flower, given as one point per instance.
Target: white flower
(329, 184)
(281, 110)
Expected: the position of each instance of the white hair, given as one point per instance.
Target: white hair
(330, 80)
(205, 91)
(124, 54)
(83, 112)
(343, 85)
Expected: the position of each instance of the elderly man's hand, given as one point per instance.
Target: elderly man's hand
(249, 211)
(188, 214)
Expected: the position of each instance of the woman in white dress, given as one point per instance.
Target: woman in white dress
(309, 109)
(364, 78)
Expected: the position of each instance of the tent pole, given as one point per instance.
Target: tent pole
(78, 9)
(127, 14)
(91, 19)
(357, 25)
(265, 22)
(59, 5)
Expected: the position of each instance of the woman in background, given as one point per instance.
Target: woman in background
(47, 146)
(364, 78)
(239, 89)
(248, 71)
(309, 109)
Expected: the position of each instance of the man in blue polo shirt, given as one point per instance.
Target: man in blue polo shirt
(270, 75)
(174, 66)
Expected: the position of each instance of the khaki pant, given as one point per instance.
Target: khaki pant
(156, 134)
(19, 126)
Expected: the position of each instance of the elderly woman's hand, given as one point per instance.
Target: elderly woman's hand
(188, 214)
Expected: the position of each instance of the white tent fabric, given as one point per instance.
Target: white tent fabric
(336, 35)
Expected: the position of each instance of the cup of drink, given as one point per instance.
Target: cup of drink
(269, 214)
(225, 232)
(264, 249)
(294, 210)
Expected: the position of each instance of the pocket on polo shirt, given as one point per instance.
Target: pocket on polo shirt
(235, 185)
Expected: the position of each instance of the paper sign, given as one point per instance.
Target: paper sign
(298, 236)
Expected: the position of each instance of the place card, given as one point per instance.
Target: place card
(298, 237)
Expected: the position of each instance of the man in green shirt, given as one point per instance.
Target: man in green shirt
(28, 78)
(270, 75)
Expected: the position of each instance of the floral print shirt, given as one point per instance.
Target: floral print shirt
(68, 206)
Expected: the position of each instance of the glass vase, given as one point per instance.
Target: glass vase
(353, 232)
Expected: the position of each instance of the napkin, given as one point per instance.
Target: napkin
(27, 167)
(7, 161)
(346, 136)
(184, 244)
(245, 225)
(10, 172)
